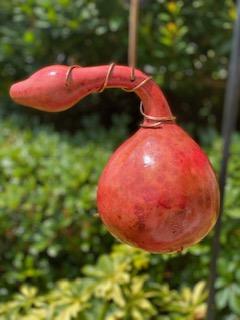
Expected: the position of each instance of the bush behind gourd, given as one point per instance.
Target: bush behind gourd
(181, 43)
(48, 185)
(48, 230)
(117, 287)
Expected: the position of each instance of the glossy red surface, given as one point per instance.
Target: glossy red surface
(46, 89)
(158, 191)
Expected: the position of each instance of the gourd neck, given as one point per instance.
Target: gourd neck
(57, 88)
(92, 79)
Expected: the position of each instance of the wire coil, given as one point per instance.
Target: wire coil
(156, 121)
(68, 78)
(110, 69)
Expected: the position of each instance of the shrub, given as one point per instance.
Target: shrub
(184, 44)
(117, 287)
(48, 230)
(48, 222)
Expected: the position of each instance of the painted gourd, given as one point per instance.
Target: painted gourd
(158, 191)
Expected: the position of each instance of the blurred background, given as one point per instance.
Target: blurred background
(57, 259)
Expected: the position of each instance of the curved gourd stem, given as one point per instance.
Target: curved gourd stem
(54, 88)
(91, 79)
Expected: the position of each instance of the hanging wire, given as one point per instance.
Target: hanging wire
(228, 126)
(132, 61)
(132, 36)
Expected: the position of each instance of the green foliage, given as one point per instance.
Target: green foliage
(47, 204)
(49, 231)
(48, 180)
(173, 34)
(228, 283)
(117, 287)
(76, 28)
(184, 44)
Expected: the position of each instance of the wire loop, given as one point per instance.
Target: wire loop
(159, 120)
(110, 69)
(139, 85)
(68, 78)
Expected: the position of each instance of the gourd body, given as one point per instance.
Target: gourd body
(158, 191)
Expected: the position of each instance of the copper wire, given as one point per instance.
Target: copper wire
(69, 73)
(138, 85)
(110, 69)
(159, 120)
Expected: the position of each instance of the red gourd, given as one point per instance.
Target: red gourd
(158, 191)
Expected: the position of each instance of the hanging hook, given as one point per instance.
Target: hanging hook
(132, 43)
